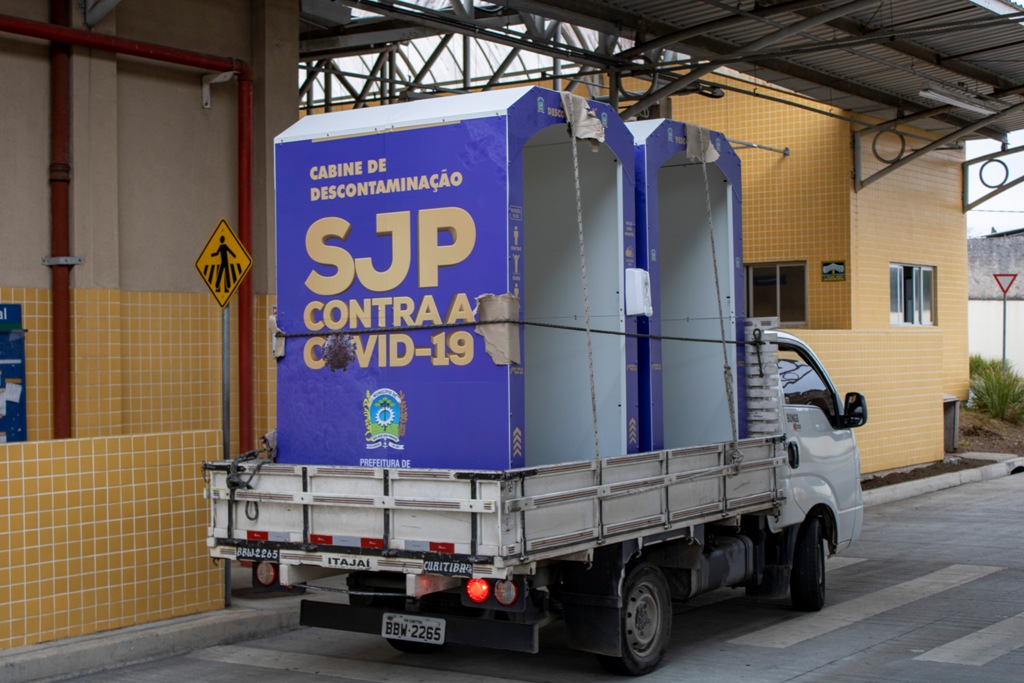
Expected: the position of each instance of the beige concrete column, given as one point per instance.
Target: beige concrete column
(276, 106)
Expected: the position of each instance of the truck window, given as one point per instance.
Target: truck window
(802, 384)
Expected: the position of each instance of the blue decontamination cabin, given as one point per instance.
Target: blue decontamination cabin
(395, 219)
(688, 199)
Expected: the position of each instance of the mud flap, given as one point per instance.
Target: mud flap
(591, 603)
(592, 626)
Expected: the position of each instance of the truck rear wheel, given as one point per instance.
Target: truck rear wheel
(807, 582)
(646, 622)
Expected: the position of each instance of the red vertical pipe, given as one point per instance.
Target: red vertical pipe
(246, 435)
(62, 36)
(60, 223)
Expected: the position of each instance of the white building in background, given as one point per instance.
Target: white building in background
(999, 253)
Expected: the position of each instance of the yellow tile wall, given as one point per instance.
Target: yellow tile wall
(797, 207)
(171, 350)
(899, 371)
(914, 216)
(265, 366)
(142, 362)
(97, 388)
(101, 533)
(172, 345)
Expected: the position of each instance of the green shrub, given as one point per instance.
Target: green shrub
(979, 365)
(998, 394)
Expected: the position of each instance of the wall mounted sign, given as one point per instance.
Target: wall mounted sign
(12, 374)
(833, 271)
(223, 263)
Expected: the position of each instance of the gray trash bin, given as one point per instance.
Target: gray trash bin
(951, 422)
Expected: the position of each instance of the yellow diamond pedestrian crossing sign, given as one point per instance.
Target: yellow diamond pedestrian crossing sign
(223, 263)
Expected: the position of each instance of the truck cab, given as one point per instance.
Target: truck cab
(824, 461)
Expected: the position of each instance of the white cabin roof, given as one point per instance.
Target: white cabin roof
(642, 130)
(403, 115)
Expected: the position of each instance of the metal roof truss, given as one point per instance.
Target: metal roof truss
(887, 63)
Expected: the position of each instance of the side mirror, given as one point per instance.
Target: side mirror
(855, 410)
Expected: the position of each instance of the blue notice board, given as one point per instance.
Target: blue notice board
(12, 374)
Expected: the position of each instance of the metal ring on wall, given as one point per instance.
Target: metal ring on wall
(899, 155)
(1006, 174)
(655, 81)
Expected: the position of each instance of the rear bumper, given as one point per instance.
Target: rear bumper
(481, 632)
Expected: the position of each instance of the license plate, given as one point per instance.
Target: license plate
(260, 554)
(415, 628)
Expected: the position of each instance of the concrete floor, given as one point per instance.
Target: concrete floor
(933, 591)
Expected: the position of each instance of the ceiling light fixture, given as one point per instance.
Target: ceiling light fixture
(957, 101)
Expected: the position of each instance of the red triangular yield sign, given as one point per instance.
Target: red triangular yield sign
(1004, 280)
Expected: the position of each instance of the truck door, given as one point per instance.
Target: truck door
(823, 453)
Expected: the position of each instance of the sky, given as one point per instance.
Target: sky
(1005, 212)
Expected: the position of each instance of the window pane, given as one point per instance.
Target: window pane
(927, 284)
(895, 295)
(763, 282)
(911, 294)
(908, 294)
(792, 294)
(802, 385)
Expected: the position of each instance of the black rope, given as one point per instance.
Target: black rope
(758, 336)
(553, 326)
(236, 481)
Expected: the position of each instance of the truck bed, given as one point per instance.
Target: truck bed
(480, 523)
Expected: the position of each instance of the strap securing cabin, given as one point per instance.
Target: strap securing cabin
(727, 374)
(576, 106)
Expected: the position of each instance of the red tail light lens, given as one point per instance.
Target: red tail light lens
(478, 590)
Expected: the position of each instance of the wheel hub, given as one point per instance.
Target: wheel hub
(642, 619)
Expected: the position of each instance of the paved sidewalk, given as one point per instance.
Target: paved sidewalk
(251, 618)
(246, 619)
(1001, 466)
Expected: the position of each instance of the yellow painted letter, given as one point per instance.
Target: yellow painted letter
(397, 225)
(431, 222)
(329, 255)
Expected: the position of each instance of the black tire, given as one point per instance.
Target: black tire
(807, 581)
(412, 648)
(646, 622)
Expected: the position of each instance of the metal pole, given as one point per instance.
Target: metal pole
(225, 402)
(225, 379)
(1004, 332)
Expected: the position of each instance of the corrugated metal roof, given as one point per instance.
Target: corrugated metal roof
(875, 58)
(868, 56)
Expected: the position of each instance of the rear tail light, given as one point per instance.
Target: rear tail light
(478, 590)
(506, 592)
(266, 573)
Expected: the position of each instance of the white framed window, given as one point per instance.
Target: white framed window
(778, 290)
(911, 294)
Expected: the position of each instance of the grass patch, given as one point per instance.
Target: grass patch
(999, 394)
(980, 365)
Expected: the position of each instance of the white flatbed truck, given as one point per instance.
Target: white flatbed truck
(426, 557)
